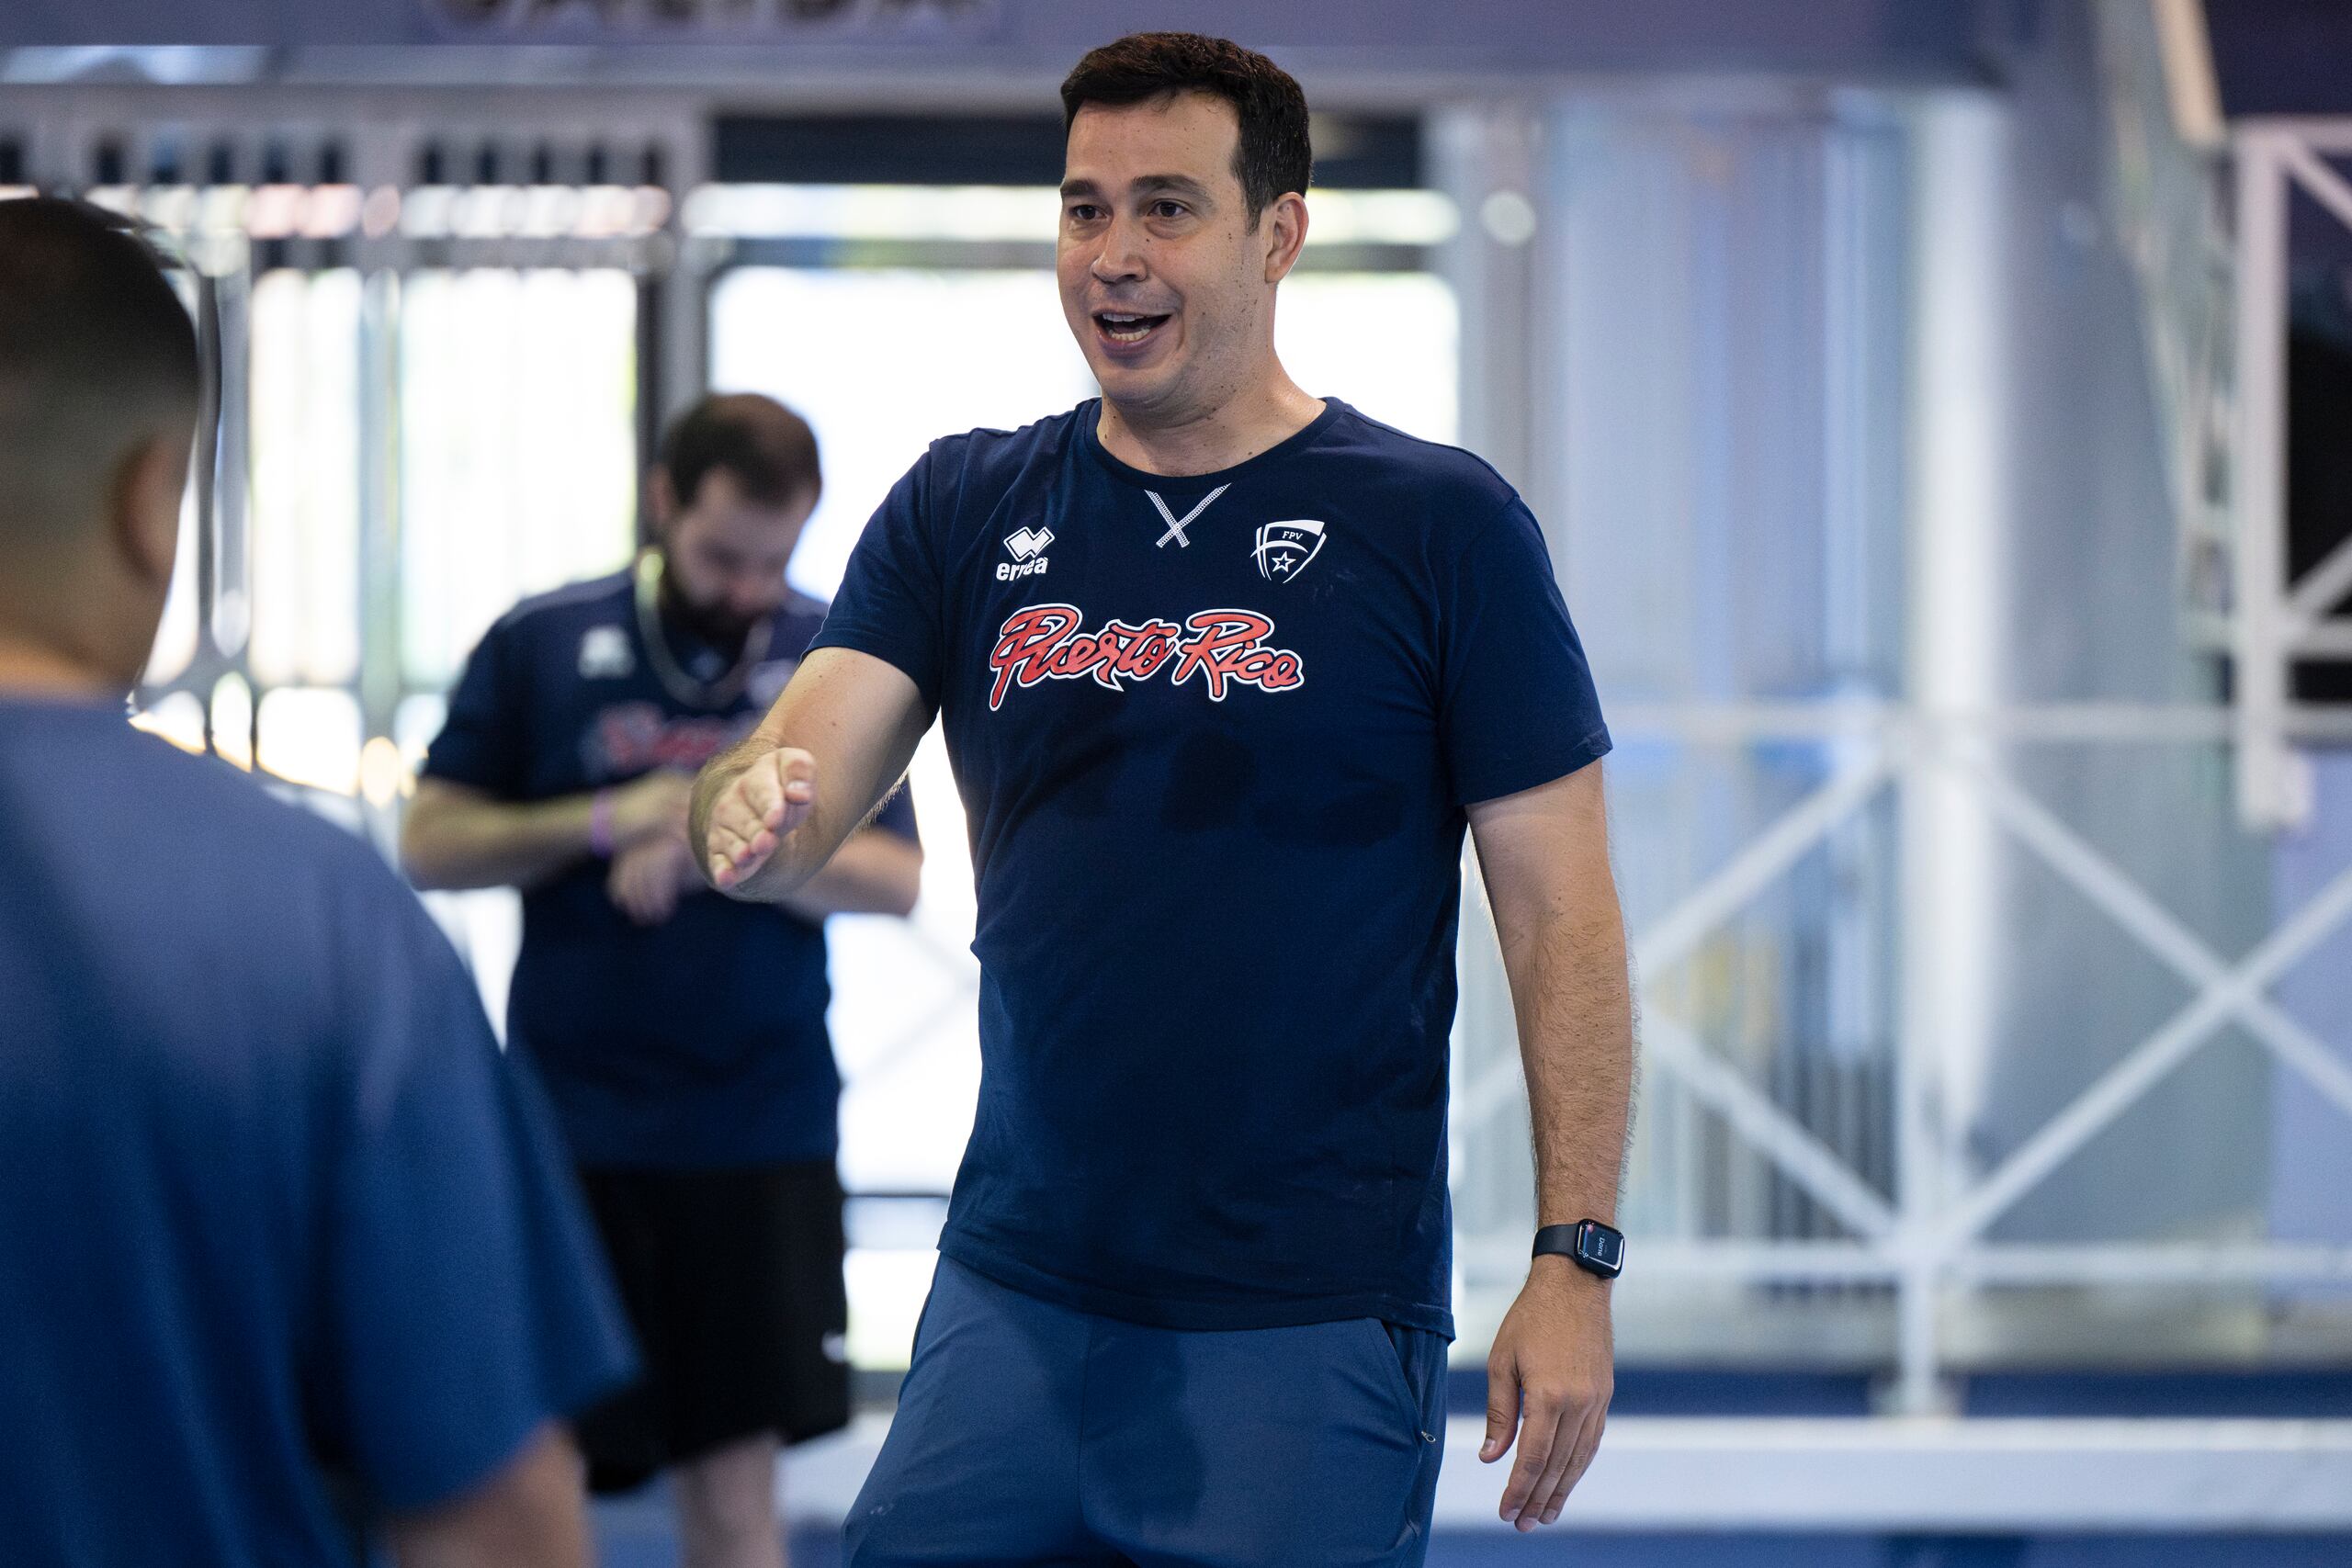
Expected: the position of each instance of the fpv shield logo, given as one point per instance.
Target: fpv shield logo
(1028, 548)
(1285, 549)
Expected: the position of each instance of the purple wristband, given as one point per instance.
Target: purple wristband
(600, 825)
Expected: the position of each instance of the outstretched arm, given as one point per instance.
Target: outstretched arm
(1544, 852)
(770, 813)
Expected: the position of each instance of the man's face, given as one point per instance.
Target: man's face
(725, 554)
(1163, 277)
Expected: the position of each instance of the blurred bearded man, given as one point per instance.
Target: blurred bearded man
(681, 1034)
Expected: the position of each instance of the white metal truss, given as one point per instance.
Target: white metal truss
(2273, 621)
(2202, 209)
(1924, 1241)
(2170, 216)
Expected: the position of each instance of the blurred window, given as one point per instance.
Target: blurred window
(310, 736)
(304, 417)
(517, 448)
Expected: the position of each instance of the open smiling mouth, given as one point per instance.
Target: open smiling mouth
(1125, 327)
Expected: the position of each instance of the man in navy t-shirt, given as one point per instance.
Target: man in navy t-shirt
(1225, 671)
(681, 1034)
(278, 1227)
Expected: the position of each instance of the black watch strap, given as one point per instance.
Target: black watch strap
(1592, 1247)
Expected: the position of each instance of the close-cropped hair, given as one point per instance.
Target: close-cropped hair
(96, 355)
(1274, 155)
(769, 449)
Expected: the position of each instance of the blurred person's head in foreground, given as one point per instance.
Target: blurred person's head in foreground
(1183, 205)
(734, 483)
(98, 394)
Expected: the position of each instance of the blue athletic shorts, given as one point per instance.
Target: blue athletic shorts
(1028, 1433)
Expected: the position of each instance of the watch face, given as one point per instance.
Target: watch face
(1604, 1247)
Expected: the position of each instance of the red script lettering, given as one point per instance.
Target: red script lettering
(1044, 643)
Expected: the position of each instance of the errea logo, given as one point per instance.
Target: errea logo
(605, 655)
(1028, 548)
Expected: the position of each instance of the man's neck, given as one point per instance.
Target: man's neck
(32, 669)
(1206, 441)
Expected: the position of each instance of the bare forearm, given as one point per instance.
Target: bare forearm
(465, 844)
(530, 1515)
(876, 873)
(1545, 854)
(766, 815)
(1572, 994)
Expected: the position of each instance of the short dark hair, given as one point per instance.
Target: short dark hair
(95, 350)
(769, 449)
(1274, 155)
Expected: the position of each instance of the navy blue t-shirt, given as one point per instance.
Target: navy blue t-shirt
(697, 1043)
(1215, 736)
(270, 1199)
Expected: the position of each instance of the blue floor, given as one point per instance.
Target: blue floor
(642, 1542)
(635, 1532)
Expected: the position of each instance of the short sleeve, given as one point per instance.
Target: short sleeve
(467, 1303)
(1517, 707)
(898, 814)
(481, 741)
(890, 604)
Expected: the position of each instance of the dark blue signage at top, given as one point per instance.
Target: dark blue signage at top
(688, 21)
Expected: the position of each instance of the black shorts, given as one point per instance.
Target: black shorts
(732, 1280)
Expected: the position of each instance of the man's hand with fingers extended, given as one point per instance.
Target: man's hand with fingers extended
(1549, 1378)
(752, 813)
(758, 829)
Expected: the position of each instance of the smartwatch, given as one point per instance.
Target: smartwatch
(1592, 1247)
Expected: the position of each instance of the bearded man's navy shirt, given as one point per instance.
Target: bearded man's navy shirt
(273, 1207)
(698, 1042)
(1215, 736)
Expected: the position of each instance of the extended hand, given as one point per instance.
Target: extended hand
(1549, 1377)
(649, 878)
(756, 811)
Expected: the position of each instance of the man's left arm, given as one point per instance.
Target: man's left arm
(1545, 854)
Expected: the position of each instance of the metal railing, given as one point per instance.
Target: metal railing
(1927, 1236)
(2274, 620)
(2202, 209)
(2168, 196)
